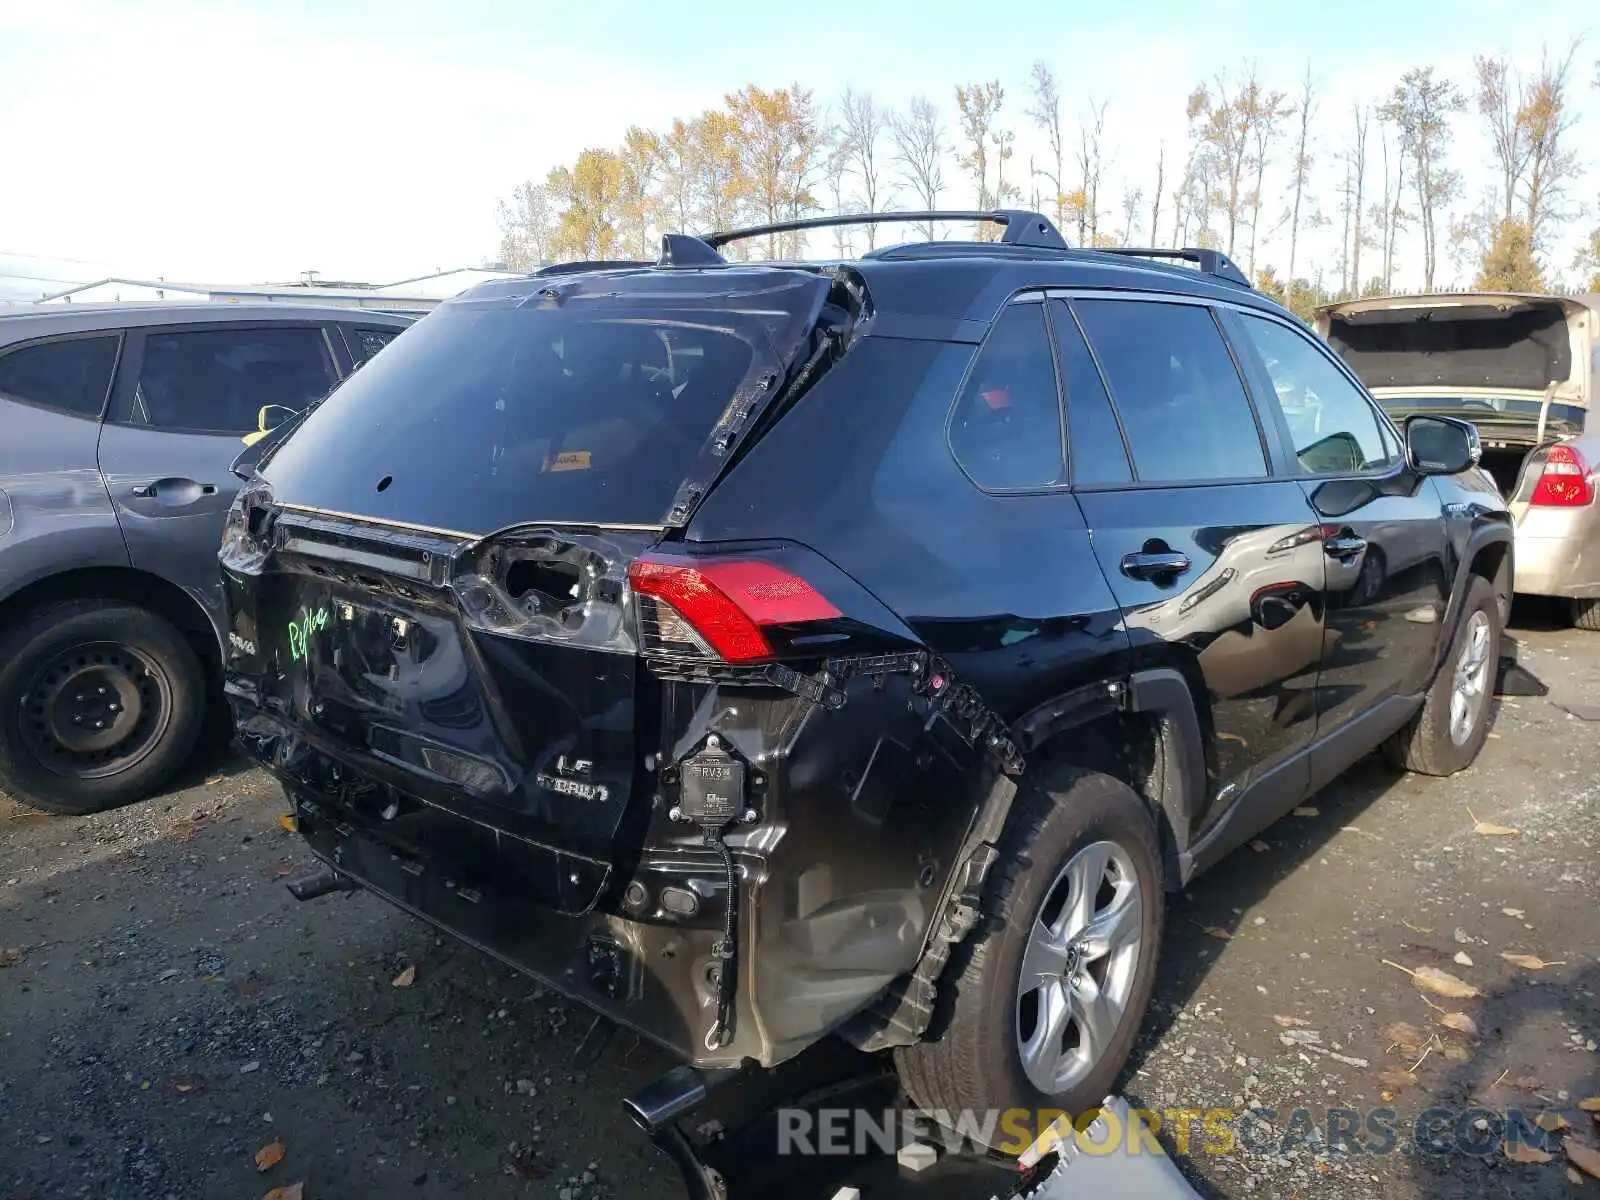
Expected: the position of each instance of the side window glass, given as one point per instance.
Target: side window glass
(1176, 389)
(72, 375)
(222, 379)
(364, 343)
(1006, 428)
(1333, 428)
(1098, 455)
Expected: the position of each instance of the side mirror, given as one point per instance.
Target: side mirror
(1441, 445)
(265, 423)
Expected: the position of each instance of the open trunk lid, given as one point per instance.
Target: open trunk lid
(429, 581)
(1513, 365)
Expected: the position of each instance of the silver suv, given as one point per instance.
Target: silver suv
(118, 428)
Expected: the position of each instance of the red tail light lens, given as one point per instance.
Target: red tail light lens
(1565, 482)
(717, 608)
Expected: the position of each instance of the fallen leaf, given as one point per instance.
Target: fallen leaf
(1550, 1122)
(1460, 1022)
(188, 1085)
(289, 821)
(1290, 1022)
(1585, 1158)
(1216, 932)
(293, 1191)
(1529, 962)
(1259, 846)
(1590, 1104)
(405, 979)
(269, 1156)
(1404, 1035)
(1396, 1079)
(1514, 912)
(1431, 979)
(1518, 1152)
(282, 869)
(1307, 810)
(1489, 829)
(10, 956)
(1456, 1052)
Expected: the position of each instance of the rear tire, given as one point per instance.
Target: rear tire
(1586, 614)
(1437, 741)
(100, 702)
(1065, 821)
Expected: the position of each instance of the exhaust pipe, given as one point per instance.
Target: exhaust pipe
(657, 1105)
(309, 887)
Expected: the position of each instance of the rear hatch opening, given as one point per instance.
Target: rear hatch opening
(445, 596)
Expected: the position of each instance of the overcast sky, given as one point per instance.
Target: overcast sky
(234, 142)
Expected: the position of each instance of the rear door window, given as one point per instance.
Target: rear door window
(1006, 427)
(1182, 404)
(587, 401)
(365, 341)
(72, 375)
(1098, 454)
(220, 380)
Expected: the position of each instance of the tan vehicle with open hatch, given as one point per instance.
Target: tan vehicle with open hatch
(1525, 370)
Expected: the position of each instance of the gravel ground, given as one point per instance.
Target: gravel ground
(173, 1011)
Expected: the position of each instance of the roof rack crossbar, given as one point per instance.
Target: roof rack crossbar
(1022, 228)
(1211, 262)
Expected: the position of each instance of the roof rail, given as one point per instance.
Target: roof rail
(1022, 228)
(602, 264)
(1211, 262)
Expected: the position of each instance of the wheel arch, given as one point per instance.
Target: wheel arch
(131, 586)
(1145, 728)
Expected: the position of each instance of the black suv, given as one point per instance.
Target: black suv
(757, 652)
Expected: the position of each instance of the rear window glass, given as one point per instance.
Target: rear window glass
(72, 375)
(590, 409)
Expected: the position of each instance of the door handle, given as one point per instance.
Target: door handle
(1344, 546)
(180, 490)
(1153, 565)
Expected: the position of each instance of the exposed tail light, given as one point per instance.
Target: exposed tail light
(1565, 481)
(719, 608)
(245, 543)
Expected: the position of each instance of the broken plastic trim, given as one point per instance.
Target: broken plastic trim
(543, 585)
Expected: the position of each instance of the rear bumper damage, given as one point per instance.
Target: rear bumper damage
(860, 811)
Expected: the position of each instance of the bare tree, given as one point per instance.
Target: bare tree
(861, 128)
(1004, 146)
(1547, 116)
(1155, 198)
(1300, 172)
(1046, 114)
(979, 108)
(1132, 198)
(1265, 111)
(1420, 107)
(527, 225)
(1355, 160)
(1091, 168)
(1225, 130)
(835, 176)
(919, 150)
(1499, 101)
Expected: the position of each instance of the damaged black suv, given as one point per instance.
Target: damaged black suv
(760, 652)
